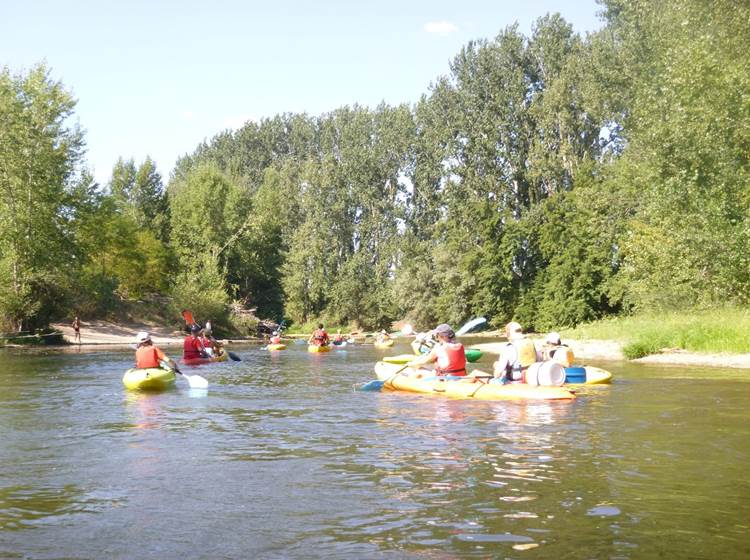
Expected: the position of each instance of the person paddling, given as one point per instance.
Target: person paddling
(149, 356)
(338, 338)
(275, 338)
(516, 356)
(383, 336)
(319, 337)
(192, 348)
(447, 354)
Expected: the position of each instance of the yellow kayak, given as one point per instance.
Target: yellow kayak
(276, 347)
(398, 378)
(384, 344)
(315, 348)
(587, 375)
(152, 379)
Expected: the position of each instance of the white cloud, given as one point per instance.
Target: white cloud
(440, 27)
(188, 115)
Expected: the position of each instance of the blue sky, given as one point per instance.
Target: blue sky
(158, 77)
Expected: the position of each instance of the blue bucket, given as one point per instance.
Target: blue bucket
(575, 375)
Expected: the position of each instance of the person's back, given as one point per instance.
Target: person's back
(319, 336)
(451, 358)
(516, 356)
(192, 348)
(147, 355)
(275, 338)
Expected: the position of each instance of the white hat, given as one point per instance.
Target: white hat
(553, 338)
(513, 330)
(142, 337)
(275, 333)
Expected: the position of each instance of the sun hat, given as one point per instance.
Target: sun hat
(513, 330)
(142, 337)
(445, 330)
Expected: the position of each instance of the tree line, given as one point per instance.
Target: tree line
(550, 178)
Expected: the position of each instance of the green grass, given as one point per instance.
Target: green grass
(715, 330)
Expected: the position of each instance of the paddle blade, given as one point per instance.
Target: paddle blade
(234, 357)
(188, 316)
(196, 381)
(471, 325)
(374, 385)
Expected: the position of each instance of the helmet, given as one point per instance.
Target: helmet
(195, 329)
(142, 337)
(553, 338)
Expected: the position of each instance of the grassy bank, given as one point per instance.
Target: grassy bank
(716, 330)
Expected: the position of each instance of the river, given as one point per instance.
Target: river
(282, 458)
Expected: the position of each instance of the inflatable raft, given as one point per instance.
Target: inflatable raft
(587, 375)
(152, 379)
(396, 378)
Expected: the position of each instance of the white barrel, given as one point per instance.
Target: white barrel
(548, 373)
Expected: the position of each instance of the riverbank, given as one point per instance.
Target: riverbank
(104, 333)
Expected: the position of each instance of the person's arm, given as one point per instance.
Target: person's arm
(424, 359)
(164, 358)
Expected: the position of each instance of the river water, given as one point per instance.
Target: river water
(282, 458)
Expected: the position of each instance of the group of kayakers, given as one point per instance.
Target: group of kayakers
(198, 345)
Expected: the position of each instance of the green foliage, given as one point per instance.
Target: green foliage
(202, 291)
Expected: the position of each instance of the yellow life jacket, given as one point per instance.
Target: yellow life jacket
(526, 352)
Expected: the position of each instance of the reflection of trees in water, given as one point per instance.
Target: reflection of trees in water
(21, 506)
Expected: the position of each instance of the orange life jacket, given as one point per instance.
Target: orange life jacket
(320, 337)
(148, 357)
(451, 359)
(275, 339)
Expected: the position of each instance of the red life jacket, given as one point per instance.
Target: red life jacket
(320, 337)
(451, 359)
(275, 339)
(192, 348)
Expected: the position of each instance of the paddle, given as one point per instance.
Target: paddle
(470, 325)
(377, 384)
(195, 381)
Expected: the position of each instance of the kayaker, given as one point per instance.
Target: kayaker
(338, 339)
(319, 337)
(149, 356)
(423, 342)
(554, 349)
(209, 343)
(448, 355)
(516, 356)
(275, 338)
(192, 348)
(383, 336)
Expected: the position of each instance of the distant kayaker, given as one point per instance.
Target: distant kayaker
(338, 338)
(319, 337)
(554, 349)
(447, 354)
(423, 342)
(209, 343)
(192, 348)
(147, 355)
(383, 336)
(76, 330)
(516, 356)
(275, 338)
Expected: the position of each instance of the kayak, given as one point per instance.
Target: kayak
(384, 344)
(199, 361)
(398, 378)
(273, 347)
(315, 348)
(587, 375)
(472, 354)
(152, 379)
(400, 359)
(341, 344)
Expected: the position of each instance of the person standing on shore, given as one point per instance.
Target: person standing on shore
(76, 330)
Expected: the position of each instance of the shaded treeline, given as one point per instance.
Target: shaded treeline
(552, 178)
